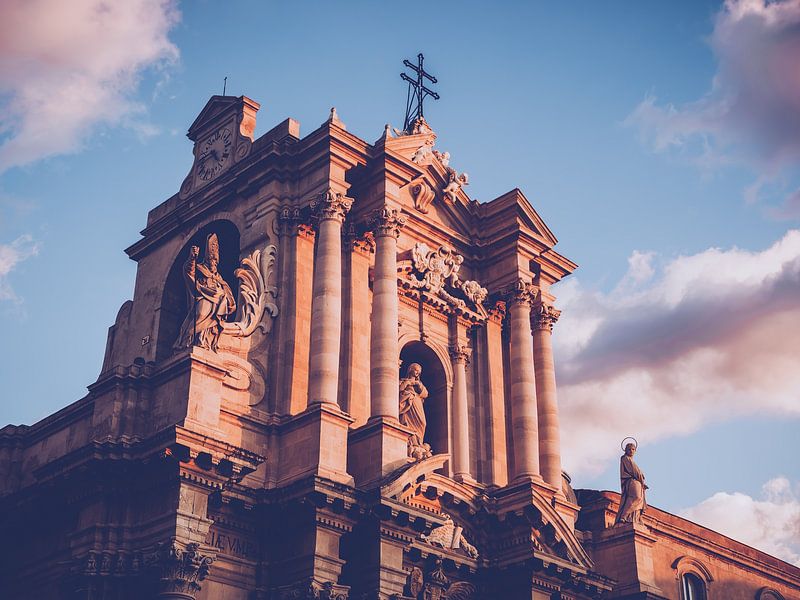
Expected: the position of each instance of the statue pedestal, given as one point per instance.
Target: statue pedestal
(625, 553)
(314, 442)
(376, 450)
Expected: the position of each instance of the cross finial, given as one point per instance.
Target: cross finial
(417, 92)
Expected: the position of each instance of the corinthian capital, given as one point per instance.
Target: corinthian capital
(521, 292)
(387, 222)
(331, 205)
(179, 570)
(545, 317)
(460, 353)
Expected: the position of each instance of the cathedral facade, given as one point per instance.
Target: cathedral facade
(335, 380)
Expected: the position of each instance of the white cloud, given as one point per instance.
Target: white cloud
(67, 67)
(751, 113)
(10, 256)
(770, 523)
(700, 338)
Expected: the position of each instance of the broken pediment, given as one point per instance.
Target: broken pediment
(222, 107)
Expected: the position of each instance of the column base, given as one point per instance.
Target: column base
(314, 442)
(376, 450)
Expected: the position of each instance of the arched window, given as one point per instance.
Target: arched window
(692, 587)
(768, 594)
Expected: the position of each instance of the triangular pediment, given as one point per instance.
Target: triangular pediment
(513, 206)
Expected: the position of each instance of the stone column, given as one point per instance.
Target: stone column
(549, 442)
(460, 356)
(524, 418)
(384, 349)
(326, 300)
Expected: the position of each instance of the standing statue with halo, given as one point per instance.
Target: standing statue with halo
(632, 503)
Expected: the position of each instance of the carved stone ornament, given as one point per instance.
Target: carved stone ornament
(437, 586)
(313, 590)
(331, 205)
(439, 268)
(257, 295)
(451, 537)
(422, 194)
(211, 299)
(545, 317)
(520, 292)
(387, 222)
(424, 154)
(179, 570)
(455, 181)
(419, 126)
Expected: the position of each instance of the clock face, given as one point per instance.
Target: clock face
(214, 154)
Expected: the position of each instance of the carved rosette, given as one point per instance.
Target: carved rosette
(545, 317)
(179, 570)
(387, 222)
(331, 205)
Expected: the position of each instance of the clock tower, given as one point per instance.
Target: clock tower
(222, 135)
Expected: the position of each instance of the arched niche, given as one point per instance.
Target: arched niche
(175, 296)
(434, 377)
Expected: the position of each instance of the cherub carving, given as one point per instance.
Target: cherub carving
(455, 182)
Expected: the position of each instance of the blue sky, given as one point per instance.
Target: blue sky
(659, 141)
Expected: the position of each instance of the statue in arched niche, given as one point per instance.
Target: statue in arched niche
(211, 300)
(412, 412)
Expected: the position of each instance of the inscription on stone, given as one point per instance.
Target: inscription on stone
(233, 545)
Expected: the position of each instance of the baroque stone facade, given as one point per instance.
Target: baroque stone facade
(334, 381)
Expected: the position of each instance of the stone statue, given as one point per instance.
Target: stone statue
(450, 536)
(632, 503)
(412, 412)
(211, 300)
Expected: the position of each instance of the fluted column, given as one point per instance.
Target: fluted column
(524, 417)
(329, 210)
(384, 347)
(549, 441)
(460, 356)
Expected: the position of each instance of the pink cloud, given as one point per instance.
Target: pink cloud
(66, 67)
(770, 522)
(659, 355)
(751, 113)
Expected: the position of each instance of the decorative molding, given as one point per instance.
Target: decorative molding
(687, 564)
(331, 205)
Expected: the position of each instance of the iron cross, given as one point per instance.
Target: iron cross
(417, 92)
